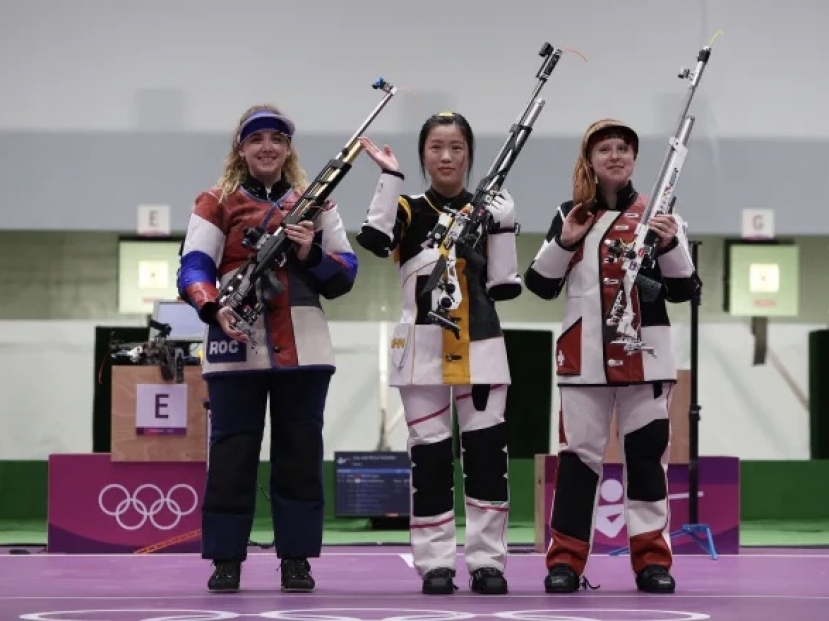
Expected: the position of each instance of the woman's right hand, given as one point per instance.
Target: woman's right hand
(575, 226)
(228, 324)
(385, 158)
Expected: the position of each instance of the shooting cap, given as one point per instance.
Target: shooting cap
(265, 119)
(605, 129)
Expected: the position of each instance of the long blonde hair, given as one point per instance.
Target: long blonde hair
(584, 177)
(236, 169)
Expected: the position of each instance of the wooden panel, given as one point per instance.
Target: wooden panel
(678, 414)
(127, 445)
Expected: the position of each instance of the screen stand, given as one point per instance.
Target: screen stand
(389, 523)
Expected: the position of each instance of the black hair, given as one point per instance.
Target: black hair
(447, 118)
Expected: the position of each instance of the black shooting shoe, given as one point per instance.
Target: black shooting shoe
(296, 576)
(655, 579)
(488, 581)
(225, 578)
(438, 581)
(561, 579)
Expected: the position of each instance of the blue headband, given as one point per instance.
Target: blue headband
(266, 119)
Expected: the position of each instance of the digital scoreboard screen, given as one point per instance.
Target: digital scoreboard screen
(371, 484)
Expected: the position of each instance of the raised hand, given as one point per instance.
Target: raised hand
(383, 157)
(575, 226)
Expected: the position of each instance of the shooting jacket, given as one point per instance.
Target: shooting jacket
(293, 332)
(581, 356)
(421, 352)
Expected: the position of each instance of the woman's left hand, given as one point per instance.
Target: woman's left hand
(302, 235)
(664, 225)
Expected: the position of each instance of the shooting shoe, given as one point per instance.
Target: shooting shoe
(225, 578)
(655, 579)
(296, 576)
(488, 581)
(438, 581)
(561, 579)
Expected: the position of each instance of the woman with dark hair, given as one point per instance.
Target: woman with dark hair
(432, 367)
(291, 373)
(596, 376)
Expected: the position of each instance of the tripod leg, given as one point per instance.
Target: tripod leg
(712, 550)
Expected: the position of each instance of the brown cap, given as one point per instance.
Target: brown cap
(603, 129)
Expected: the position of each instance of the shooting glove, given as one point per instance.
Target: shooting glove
(502, 209)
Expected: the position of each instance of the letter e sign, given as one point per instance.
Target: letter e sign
(154, 220)
(161, 409)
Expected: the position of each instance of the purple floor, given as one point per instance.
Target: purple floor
(378, 583)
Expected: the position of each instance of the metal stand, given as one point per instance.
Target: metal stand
(701, 533)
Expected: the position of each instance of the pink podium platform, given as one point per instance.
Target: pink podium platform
(96, 505)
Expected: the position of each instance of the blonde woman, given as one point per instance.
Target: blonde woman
(595, 376)
(262, 180)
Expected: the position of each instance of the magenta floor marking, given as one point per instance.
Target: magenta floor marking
(377, 584)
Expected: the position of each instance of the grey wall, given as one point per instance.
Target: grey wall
(94, 182)
(108, 105)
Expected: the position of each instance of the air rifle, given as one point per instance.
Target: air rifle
(255, 282)
(170, 356)
(618, 325)
(459, 234)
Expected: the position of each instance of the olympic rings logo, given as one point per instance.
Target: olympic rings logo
(144, 510)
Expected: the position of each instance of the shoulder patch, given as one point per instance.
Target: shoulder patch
(403, 201)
